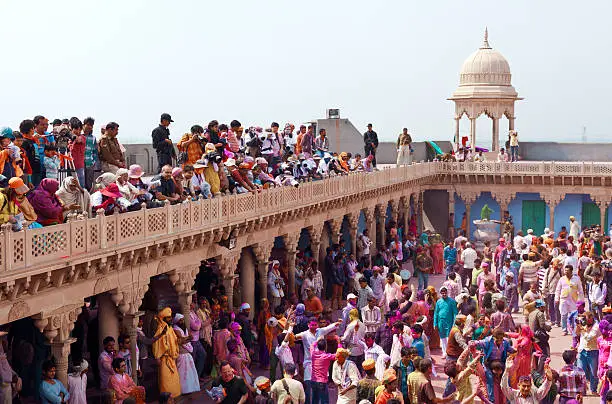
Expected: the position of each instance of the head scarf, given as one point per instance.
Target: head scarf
(380, 365)
(353, 315)
(177, 318)
(50, 185)
(165, 312)
(78, 369)
(526, 332)
(105, 180)
(78, 196)
(432, 293)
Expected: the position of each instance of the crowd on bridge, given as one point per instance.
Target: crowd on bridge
(48, 175)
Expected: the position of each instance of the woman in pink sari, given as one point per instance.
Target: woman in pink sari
(412, 227)
(123, 385)
(525, 347)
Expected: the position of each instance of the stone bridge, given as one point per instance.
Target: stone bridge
(47, 273)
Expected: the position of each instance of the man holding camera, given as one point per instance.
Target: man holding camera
(588, 352)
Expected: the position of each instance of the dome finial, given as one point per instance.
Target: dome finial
(485, 44)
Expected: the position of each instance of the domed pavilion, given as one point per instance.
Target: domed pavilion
(485, 87)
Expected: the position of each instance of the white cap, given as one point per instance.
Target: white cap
(530, 231)
(272, 322)
(351, 296)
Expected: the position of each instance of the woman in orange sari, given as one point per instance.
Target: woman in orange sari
(525, 347)
(437, 255)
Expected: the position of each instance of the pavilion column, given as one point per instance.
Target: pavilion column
(495, 134)
(451, 209)
(473, 134)
(291, 242)
(183, 280)
(56, 327)
(262, 253)
(603, 207)
(248, 266)
(405, 213)
(228, 265)
(457, 139)
(468, 198)
(511, 123)
(394, 210)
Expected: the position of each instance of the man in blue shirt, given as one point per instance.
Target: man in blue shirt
(417, 340)
(450, 258)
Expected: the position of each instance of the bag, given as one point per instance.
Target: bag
(288, 399)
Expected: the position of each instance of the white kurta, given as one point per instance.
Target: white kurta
(77, 387)
(345, 376)
(188, 374)
(568, 293)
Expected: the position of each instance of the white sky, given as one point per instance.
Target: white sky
(392, 63)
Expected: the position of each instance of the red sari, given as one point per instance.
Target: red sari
(525, 347)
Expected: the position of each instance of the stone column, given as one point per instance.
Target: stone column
(451, 209)
(510, 123)
(394, 210)
(353, 224)
(291, 242)
(603, 206)
(405, 213)
(504, 199)
(108, 320)
(420, 215)
(57, 326)
(380, 225)
(130, 322)
(495, 134)
(468, 198)
(247, 278)
(315, 241)
(262, 253)
(457, 138)
(552, 200)
(228, 265)
(473, 133)
(370, 216)
(183, 280)
(336, 227)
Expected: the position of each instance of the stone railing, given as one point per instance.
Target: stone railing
(36, 249)
(40, 248)
(549, 168)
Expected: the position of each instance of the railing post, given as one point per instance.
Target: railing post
(7, 250)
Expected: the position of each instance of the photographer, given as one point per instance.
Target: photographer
(191, 146)
(588, 352)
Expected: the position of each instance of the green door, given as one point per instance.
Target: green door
(534, 216)
(590, 214)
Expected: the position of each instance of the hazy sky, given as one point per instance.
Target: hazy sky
(392, 63)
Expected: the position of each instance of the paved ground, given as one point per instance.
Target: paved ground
(558, 343)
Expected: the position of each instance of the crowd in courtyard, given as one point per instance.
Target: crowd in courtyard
(361, 323)
(48, 175)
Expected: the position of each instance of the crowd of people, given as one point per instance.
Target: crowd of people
(48, 175)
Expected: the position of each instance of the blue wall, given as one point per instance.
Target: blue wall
(477, 205)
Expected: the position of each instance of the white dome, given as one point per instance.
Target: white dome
(485, 73)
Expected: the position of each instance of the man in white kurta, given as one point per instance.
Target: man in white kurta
(345, 376)
(568, 292)
(574, 230)
(77, 384)
(188, 374)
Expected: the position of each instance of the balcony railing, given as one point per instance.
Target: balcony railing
(48, 246)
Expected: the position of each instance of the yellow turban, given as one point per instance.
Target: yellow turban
(165, 312)
(353, 315)
(342, 352)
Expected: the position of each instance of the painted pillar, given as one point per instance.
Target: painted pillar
(108, 320)
(473, 133)
(247, 279)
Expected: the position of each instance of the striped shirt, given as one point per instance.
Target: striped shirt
(572, 381)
